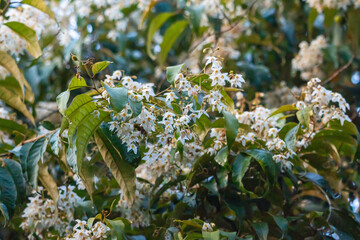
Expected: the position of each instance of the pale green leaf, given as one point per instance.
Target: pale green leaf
(77, 83)
(62, 100)
(10, 64)
(282, 109)
(172, 72)
(14, 101)
(221, 156)
(211, 235)
(29, 35)
(99, 66)
(40, 4)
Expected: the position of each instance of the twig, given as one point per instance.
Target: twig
(2, 11)
(328, 200)
(211, 34)
(336, 73)
(36, 138)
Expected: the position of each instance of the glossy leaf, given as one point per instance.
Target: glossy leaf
(221, 156)
(265, 160)
(239, 168)
(231, 126)
(15, 170)
(122, 171)
(8, 193)
(262, 230)
(118, 97)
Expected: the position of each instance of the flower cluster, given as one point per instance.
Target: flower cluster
(137, 213)
(81, 231)
(10, 41)
(310, 57)
(42, 214)
(319, 5)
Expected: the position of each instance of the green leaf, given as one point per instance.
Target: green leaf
(195, 16)
(30, 154)
(15, 170)
(304, 115)
(29, 35)
(171, 35)
(14, 101)
(266, 162)
(40, 4)
(221, 156)
(262, 230)
(130, 157)
(155, 24)
(282, 223)
(211, 235)
(62, 100)
(10, 64)
(122, 171)
(79, 103)
(320, 181)
(12, 126)
(77, 83)
(118, 97)
(347, 127)
(79, 116)
(99, 66)
(8, 194)
(228, 100)
(239, 168)
(229, 235)
(353, 19)
(4, 211)
(10, 95)
(285, 129)
(117, 228)
(84, 133)
(282, 109)
(290, 137)
(172, 72)
(231, 126)
(311, 19)
(136, 107)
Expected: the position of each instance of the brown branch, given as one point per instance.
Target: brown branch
(337, 72)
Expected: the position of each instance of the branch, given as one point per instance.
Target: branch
(337, 72)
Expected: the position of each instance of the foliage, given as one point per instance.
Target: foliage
(189, 148)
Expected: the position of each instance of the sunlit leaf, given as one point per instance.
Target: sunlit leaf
(29, 35)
